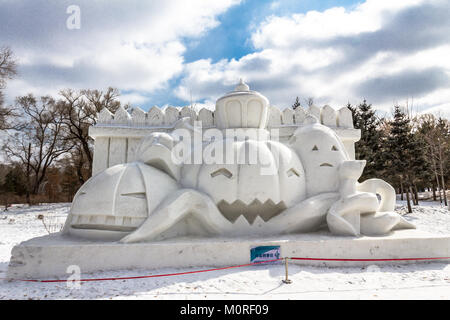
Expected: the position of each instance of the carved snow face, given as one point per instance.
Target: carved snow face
(321, 152)
(119, 199)
(248, 188)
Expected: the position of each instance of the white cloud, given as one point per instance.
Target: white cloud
(133, 45)
(334, 22)
(275, 5)
(383, 50)
(134, 99)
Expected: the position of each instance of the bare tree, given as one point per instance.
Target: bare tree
(79, 111)
(443, 144)
(40, 141)
(75, 160)
(436, 134)
(8, 69)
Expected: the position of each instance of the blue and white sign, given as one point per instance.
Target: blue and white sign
(264, 253)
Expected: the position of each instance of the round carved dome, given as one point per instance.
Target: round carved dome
(242, 108)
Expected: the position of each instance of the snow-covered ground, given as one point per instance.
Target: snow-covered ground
(413, 281)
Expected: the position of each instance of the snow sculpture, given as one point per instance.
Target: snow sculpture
(264, 187)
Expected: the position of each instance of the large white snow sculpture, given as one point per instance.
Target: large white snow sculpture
(264, 187)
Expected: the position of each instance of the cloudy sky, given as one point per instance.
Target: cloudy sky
(169, 52)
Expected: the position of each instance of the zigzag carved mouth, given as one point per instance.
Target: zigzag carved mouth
(250, 212)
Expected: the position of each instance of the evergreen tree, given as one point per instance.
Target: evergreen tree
(404, 154)
(13, 185)
(368, 147)
(296, 104)
(14, 182)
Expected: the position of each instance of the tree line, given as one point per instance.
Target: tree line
(411, 152)
(46, 149)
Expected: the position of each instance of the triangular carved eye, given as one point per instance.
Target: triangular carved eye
(333, 148)
(315, 148)
(223, 172)
(292, 172)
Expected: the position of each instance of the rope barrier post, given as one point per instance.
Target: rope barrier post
(286, 280)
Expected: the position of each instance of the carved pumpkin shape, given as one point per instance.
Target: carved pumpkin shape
(263, 179)
(118, 200)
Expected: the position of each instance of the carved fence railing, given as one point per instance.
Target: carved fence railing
(166, 117)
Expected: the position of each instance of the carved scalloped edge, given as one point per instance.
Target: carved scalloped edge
(157, 117)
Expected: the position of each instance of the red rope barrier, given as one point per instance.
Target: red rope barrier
(149, 276)
(374, 260)
(224, 268)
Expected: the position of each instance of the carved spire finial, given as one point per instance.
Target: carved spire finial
(242, 86)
